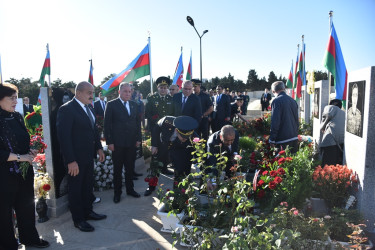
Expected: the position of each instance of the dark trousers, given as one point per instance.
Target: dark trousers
(265, 106)
(80, 191)
(293, 146)
(163, 155)
(217, 124)
(202, 130)
(17, 193)
(123, 156)
(181, 160)
(332, 155)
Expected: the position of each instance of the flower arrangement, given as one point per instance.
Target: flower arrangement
(36, 143)
(42, 185)
(40, 161)
(175, 200)
(153, 172)
(334, 183)
(33, 120)
(103, 172)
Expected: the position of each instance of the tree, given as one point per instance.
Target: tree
(320, 75)
(252, 82)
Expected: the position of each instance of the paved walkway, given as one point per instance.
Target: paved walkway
(131, 224)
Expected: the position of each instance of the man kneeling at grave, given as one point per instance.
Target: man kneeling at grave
(173, 135)
(223, 142)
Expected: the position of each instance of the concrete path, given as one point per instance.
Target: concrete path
(131, 224)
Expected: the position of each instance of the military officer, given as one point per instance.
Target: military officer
(158, 106)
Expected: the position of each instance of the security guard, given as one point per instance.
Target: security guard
(207, 108)
(158, 106)
(172, 135)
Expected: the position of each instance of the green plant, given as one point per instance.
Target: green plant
(337, 222)
(175, 200)
(247, 144)
(146, 148)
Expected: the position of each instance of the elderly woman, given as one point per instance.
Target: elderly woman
(333, 129)
(15, 192)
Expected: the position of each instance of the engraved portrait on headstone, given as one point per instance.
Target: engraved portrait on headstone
(356, 100)
(316, 102)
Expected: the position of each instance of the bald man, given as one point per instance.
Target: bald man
(79, 143)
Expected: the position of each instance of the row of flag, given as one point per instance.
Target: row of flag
(333, 61)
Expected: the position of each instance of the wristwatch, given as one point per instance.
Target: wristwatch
(18, 157)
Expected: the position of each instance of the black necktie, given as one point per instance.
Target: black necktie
(89, 115)
(183, 103)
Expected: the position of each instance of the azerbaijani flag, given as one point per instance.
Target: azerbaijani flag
(299, 76)
(1, 74)
(334, 62)
(178, 74)
(189, 74)
(91, 77)
(46, 68)
(289, 83)
(295, 75)
(138, 68)
(39, 99)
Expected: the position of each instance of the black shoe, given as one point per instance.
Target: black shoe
(167, 172)
(135, 178)
(149, 191)
(137, 174)
(40, 244)
(116, 198)
(133, 193)
(95, 216)
(84, 226)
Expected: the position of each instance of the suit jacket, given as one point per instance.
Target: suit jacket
(98, 108)
(221, 108)
(192, 106)
(28, 108)
(119, 128)
(265, 99)
(213, 146)
(78, 140)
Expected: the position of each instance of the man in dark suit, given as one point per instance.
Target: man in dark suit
(207, 108)
(186, 103)
(226, 140)
(265, 99)
(79, 144)
(122, 130)
(26, 106)
(99, 105)
(221, 114)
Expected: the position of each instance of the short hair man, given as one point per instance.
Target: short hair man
(224, 140)
(265, 99)
(99, 105)
(27, 108)
(79, 143)
(284, 119)
(207, 108)
(186, 103)
(221, 114)
(173, 89)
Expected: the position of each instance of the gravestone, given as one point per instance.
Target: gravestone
(305, 105)
(320, 99)
(360, 138)
(57, 204)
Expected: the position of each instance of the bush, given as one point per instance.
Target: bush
(248, 144)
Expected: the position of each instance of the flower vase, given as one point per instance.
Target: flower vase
(42, 208)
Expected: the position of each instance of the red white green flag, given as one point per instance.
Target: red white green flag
(189, 73)
(46, 68)
(289, 82)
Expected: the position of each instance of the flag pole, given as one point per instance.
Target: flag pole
(149, 55)
(329, 73)
(1, 74)
(304, 70)
(49, 75)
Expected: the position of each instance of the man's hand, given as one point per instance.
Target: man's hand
(154, 150)
(137, 144)
(111, 147)
(73, 168)
(101, 155)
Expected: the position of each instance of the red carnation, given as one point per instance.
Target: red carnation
(281, 160)
(147, 179)
(282, 152)
(46, 187)
(278, 179)
(261, 194)
(272, 185)
(265, 173)
(281, 171)
(260, 183)
(273, 173)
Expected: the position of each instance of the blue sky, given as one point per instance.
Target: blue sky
(243, 35)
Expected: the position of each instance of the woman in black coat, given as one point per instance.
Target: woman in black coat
(15, 192)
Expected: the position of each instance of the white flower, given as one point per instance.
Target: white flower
(99, 183)
(96, 178)
(234, 229)
(108, 157)
(327, 217)
(104, 184)
(104, 176)
(110, 167)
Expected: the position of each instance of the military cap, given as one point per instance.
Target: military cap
(196, 82)
(185, 125)
(238, 98)
(163, 81)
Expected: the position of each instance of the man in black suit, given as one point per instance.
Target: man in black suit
(99, 105)
(186, 103)
(79, 144)
(221, 114)
(265, 99)
(207, 108)
(122, 130)
(26, 106)
(226, 140)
